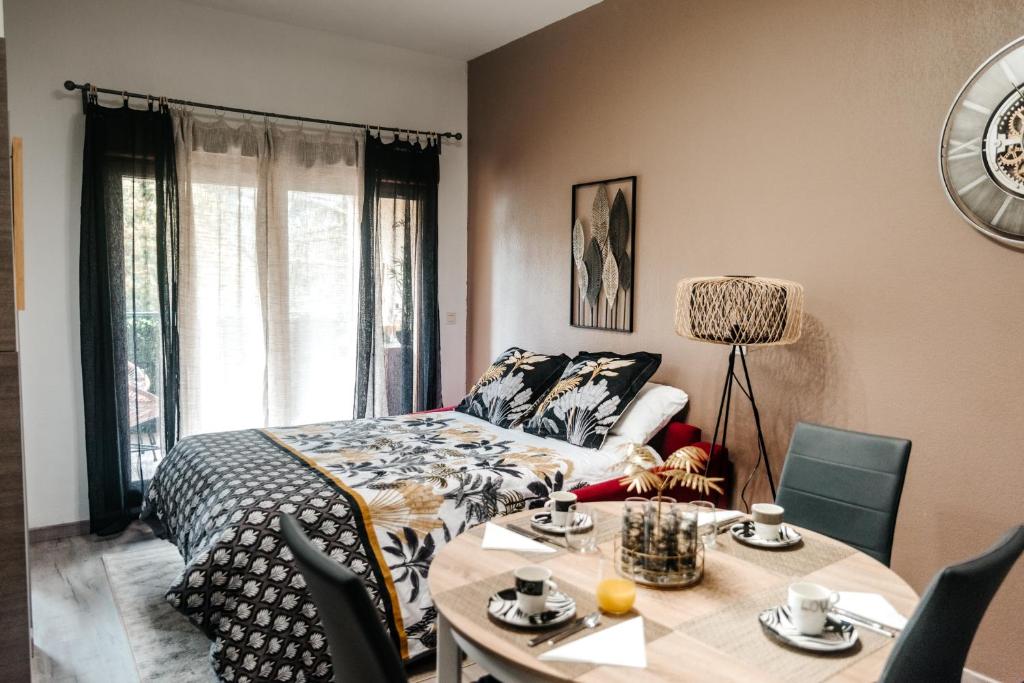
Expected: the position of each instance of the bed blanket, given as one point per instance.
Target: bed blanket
(381, 496)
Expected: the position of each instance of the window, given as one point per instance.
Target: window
(143, 340)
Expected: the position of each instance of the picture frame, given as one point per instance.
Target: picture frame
(608, 303)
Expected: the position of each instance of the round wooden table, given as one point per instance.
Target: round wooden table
(708, 631)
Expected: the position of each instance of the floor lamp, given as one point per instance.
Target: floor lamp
(740, 311)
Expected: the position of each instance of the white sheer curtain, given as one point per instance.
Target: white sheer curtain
(269, 265)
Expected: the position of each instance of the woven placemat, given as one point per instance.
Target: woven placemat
(807, 556)
(735, 630)
(472, 600)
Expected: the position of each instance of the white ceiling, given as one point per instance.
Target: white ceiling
(459, 29)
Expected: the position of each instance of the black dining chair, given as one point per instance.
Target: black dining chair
(360, 648)
(936, 640)
(846, 485)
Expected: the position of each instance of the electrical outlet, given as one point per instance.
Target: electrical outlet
(449, 318)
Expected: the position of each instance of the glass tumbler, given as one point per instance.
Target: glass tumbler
(616, 589)
(707, 529)
(581, 529)
(633, 514)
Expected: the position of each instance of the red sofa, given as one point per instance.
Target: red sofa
(670, 439)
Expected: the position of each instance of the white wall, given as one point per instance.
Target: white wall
(181, 50)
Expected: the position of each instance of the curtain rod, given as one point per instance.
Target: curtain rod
(86, 88)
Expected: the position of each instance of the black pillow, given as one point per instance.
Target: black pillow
(592, 393)
(507, 393)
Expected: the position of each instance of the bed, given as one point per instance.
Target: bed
(380, 495)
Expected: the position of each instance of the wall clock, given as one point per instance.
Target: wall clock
(981, 155)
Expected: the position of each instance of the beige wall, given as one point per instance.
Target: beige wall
(790, 139)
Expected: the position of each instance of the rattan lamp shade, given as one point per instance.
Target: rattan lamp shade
(739, 310)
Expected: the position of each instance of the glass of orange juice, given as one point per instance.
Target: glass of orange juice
(616, 591)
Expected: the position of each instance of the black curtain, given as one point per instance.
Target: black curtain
(398, 340)
(128, 287)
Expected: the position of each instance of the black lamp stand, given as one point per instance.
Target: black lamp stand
(722, 421)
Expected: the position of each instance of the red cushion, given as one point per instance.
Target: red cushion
(606, 490)
(675, 436)
(435, 410)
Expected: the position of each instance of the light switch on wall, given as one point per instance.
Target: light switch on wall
(449, 319)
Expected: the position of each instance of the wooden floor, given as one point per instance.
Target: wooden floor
(76, 628)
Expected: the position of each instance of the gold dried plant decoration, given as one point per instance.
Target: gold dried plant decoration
(685, 468)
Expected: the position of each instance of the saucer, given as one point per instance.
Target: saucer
(541, 521)
(744, 533)
(559, 609)
(838, 635)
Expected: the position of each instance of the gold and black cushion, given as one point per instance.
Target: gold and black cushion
(507, 393)
(591, 394)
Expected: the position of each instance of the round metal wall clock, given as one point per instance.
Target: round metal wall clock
(982, 151)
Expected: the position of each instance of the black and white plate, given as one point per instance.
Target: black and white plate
(559, 609)
(744, 533)
(838, 635)
(541, 521)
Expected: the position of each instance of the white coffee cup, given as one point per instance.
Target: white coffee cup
(533, 585)
(767, 520)
(809, 605)
(559, 503)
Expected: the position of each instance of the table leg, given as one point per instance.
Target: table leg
(449, 659)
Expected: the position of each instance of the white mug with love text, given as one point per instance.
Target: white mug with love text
(809, 605)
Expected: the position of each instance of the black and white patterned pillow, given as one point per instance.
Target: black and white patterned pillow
(590, 396)
(507, 393)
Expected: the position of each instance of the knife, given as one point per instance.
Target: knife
(533, 535)
(858, 620)
(537, 640)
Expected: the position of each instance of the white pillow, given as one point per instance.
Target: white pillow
(652, 408)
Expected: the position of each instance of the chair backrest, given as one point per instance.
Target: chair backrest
(935, 643)
(360, 648)
(846, 485)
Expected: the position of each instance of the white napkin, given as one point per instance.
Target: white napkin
(721, 517)
(499, 538)
(872, 606)
(619, 645)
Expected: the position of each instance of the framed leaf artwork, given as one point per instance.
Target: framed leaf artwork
(601, 263)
